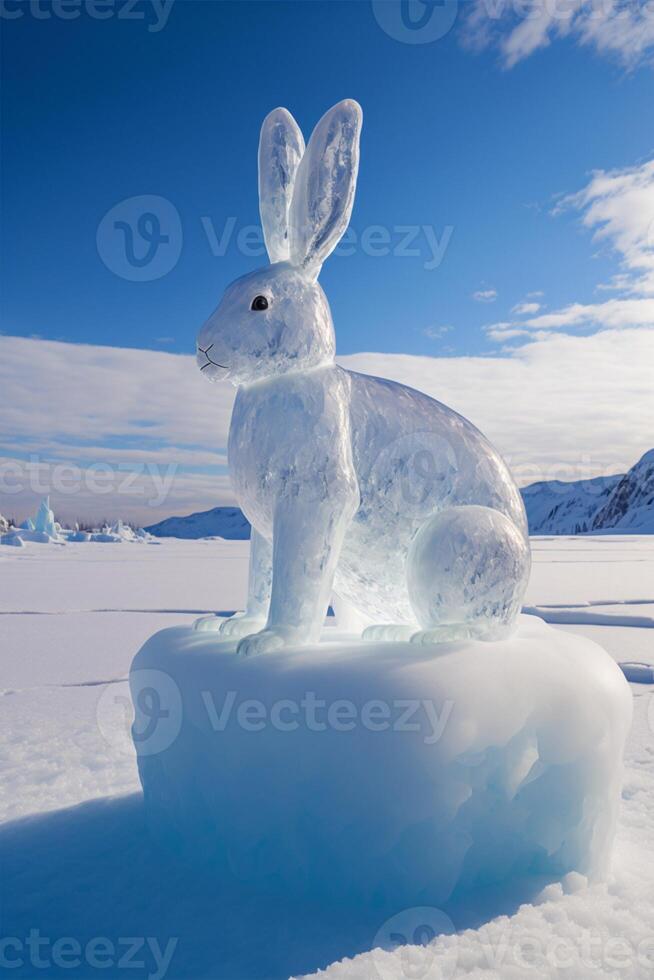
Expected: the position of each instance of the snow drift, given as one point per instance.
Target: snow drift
(386, 775)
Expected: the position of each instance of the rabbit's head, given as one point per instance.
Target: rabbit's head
(277, 319)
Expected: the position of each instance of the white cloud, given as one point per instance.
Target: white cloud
(57, 392)
(113, 410)
(504, 331)
(618, 205)
(613, 27)
(485, 295)
(524, 309)
(559, 406)
(612, 313)
(436, 333)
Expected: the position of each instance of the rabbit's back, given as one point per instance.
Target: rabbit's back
(405, 442)
(413, 456)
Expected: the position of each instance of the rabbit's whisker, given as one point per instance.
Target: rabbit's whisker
(209, 361)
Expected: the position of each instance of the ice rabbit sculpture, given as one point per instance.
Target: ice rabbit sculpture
(374, 492)
(354, 485)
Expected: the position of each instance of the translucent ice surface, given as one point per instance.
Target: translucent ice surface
(339, 472)
(391, 773)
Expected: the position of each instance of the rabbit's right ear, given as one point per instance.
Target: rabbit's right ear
(281, 147)
(324, 187)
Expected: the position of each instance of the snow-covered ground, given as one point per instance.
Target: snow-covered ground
(79, 869)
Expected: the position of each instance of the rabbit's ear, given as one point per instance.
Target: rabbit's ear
(325, 185)
(281, 146)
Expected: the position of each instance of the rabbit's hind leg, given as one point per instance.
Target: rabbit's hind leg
(467, 571)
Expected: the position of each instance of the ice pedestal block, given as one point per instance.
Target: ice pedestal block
(396, 773)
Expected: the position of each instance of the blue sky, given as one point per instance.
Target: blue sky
(469, 142)
(451, 140)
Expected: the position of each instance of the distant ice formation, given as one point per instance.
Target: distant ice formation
(44, 529)
(44, 522)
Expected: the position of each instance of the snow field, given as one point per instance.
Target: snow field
(90, 869)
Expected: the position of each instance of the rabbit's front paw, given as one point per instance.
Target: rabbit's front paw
(271, 638)
(208, 624)
(240, 624)
(387, 632)
(449, 633)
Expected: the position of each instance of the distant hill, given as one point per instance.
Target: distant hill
(220, 522)
(556, 507)
(618, 503)
(613, 503)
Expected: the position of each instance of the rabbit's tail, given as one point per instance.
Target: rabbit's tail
(467, 571)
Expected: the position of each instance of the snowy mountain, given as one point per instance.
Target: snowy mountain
(220, 522)
(631, 505)
(555, 507)
(617, 503)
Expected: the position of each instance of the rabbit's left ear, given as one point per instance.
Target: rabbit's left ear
(281, 146)
(324, 187)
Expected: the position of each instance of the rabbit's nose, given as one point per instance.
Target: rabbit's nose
(205, 360)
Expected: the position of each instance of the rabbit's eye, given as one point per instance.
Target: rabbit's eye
(259, 303)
